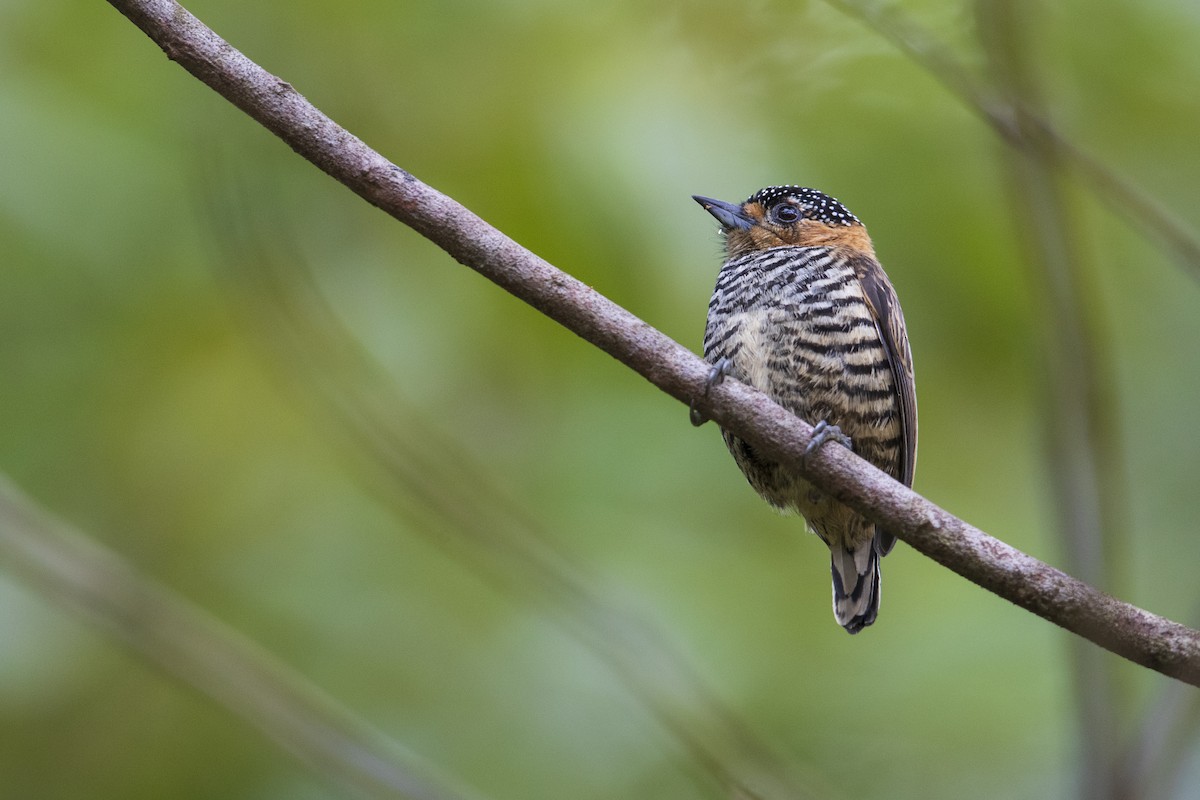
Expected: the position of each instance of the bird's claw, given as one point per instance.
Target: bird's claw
(716, 376)
(823, 433)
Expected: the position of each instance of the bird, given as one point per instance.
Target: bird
(803, 311)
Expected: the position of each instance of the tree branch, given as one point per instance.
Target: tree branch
(1137, 635)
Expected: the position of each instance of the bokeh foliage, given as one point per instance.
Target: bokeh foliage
(142, 401)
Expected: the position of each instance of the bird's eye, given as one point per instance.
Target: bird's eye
(786, 213)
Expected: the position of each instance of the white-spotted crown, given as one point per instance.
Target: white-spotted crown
(815, 205)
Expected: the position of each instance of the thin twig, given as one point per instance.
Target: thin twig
(1127, 201)
(190, 645)
(1079, 431)
(1138, 635)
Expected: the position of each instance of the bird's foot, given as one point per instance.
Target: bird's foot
(823, 433)
(716, 376)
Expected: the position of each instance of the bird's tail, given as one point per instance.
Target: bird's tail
(855, 585)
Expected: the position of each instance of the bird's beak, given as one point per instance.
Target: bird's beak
(729, 215)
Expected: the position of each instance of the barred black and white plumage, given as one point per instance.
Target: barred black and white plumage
(803, 311)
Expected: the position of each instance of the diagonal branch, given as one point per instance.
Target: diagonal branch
(1128, 631)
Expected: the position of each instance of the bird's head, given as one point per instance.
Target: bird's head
(786, 216)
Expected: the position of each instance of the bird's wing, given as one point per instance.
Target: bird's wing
(889, 322)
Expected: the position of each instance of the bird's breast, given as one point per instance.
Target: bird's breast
(788, 314)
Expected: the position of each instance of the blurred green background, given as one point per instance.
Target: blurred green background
(147, 401)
